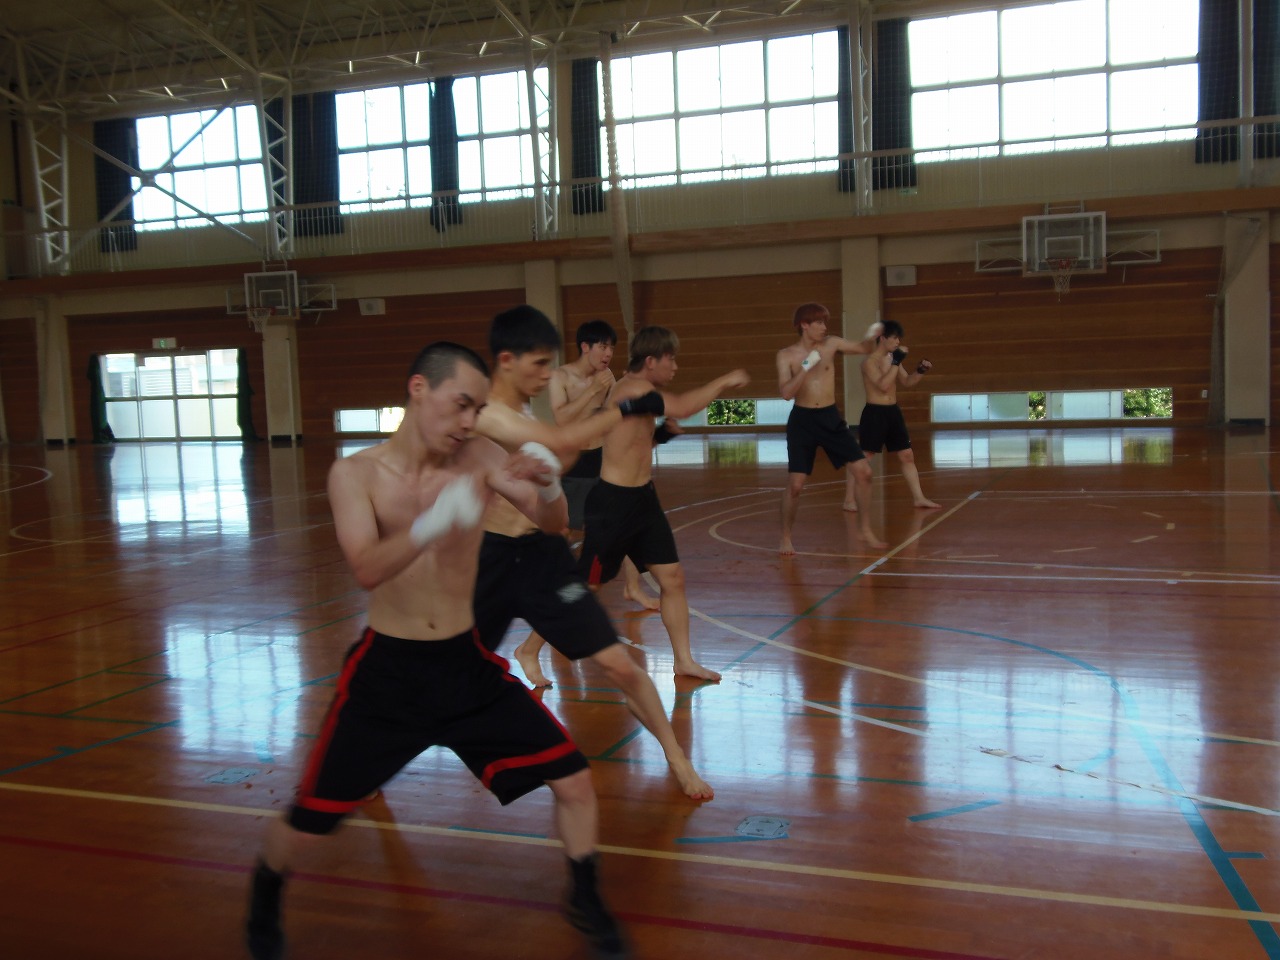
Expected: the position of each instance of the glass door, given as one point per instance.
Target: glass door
(171, 396)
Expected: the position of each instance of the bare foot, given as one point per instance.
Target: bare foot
(872, 539)
(927, 505)
(695, 669)
(532, 669)
(785, 549)
(850, 506)
(641, 598)
(694, 787)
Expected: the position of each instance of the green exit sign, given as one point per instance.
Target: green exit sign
(164, 343)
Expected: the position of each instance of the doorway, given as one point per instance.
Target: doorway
(171, 396)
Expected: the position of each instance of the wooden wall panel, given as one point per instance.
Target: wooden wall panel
(1274, 416)
(723, 322)
(346, 360)
(205, 328)
(1141, 326)
(20, 381)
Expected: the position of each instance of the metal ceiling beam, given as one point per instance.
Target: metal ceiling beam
(132, 64)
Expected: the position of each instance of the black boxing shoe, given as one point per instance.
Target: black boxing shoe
(587, 913)
(262, 931)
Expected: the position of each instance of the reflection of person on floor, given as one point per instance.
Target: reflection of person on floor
(407, 514)
(807, 375)
(882, 424)
(528, 574)
(623, 515)
(577, 391)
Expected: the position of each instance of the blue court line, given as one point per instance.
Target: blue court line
(504, 833)
(952, 811)
(64, 752)
(1094, 762)
(734, 839)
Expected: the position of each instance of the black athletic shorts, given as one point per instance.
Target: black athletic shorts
(809, 428)
(535, 578)
(883, 425)
(578, 481)
(624, 522)
(395, 698)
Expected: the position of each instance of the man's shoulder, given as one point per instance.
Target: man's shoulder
(632, 387)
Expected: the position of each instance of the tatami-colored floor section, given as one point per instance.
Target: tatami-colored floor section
(1043, 723)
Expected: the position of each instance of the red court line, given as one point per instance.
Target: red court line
(433, 893)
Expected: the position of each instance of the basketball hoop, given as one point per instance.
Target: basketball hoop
(258, 317)
(1061, 269)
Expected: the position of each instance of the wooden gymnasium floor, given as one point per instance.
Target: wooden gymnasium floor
(1043, 724)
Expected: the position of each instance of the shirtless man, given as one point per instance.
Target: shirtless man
(623, 515)
(578, 390)
(530, 574)
(406, 513)
(882, 424)
(807, 374)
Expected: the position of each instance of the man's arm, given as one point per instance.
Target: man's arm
(510, 430)
(568, 411)
(879, 378)
(530, 479)
(789, 384)
(906, 379)
(866, 345)
(373, 558)
(681, 405)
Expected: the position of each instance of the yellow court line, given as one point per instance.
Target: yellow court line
(765, 866)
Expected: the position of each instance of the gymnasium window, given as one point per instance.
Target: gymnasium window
(740, 110)
(384, 144)
(368, 420)
(495, 140)
(206, 160)
(1056, 76)
(1136, 404)
(383, 148)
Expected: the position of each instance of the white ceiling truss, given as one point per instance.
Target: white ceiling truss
(102, 58)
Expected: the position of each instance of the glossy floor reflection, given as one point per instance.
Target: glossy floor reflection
(1041, 724)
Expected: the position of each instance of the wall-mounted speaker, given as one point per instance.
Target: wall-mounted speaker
(900, 276)
(372, 306)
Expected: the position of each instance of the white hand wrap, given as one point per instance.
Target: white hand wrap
(456, 506)
(540, 453)
(811, 360)
(874, 330)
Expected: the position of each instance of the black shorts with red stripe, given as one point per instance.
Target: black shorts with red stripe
(624, 522)
(396, 698)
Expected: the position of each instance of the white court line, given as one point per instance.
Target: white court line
(676, 856)
(956, 688)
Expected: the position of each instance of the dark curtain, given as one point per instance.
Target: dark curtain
(315, 161)
(244, 409)
(1220, 78)
(119, 138)
(102, 432)
(844, 110)
(444, 155)
(1266, 76)
(585, 123)
(891, 106)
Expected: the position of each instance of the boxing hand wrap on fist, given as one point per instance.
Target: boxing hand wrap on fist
(543, 455)
(811, 360)
(651, 404)
(874, 331)
(924, 366)
(898, 356)
(456, 506)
